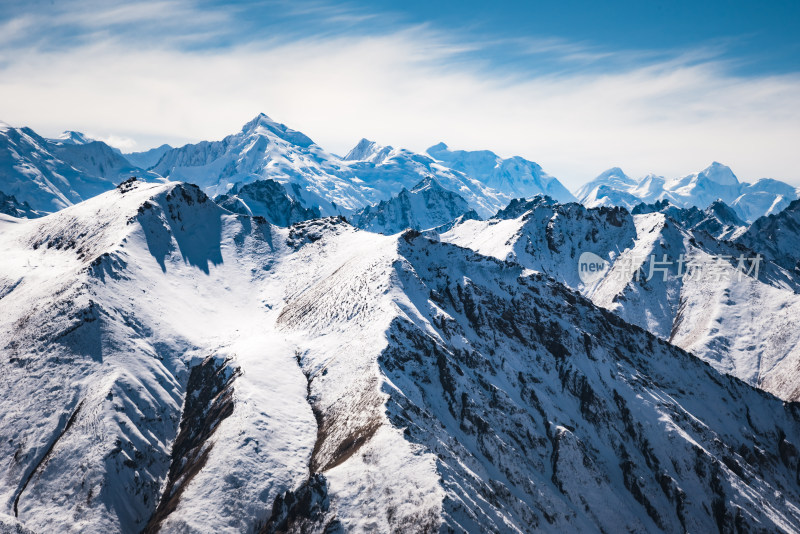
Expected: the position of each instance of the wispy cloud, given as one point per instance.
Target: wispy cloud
(404, 85)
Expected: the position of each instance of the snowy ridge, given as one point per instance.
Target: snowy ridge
(548, 237)
(171, 365)
(426, 206)
(515, 177)
(148, 158)
(388, 174)
(777, 237)
(268, 199)
(71, 137)
(122, 337)
(51, 174)
(264, 149)
(740, 325)
(718, 219)
(367, 150)
(95, 158)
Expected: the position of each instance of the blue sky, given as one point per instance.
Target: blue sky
(577, 86)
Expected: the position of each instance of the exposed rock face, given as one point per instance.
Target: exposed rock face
(426, 206)
(267, 199)
(9, 205)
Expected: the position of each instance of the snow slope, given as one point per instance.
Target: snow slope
(366, 150)
(95, 158)
(427, 205)
(71, 137)
(385, 171)
(169, 365)
(32, 174)
(615, 188)
(124, 307)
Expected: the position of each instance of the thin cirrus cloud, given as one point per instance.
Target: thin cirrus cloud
(143, 74)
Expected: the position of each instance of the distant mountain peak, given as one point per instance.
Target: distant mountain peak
(719, 174)
(442, 152)
(515, 176)
(439, 151)
(613, 171)
(427, 183)
(614, 175)
(724, 213)
(71, 137)
(261, 118)
(367, 150)
(262, 124)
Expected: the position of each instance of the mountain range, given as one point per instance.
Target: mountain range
(716, 182)
(172, 366)
(256, 335)
(50, 174)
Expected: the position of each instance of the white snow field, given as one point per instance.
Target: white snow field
(167, 365)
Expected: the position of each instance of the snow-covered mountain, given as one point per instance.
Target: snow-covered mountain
(96, 158)
(763, 198)
(366, 150)
(265, 149)
(170, 365)
(52, 174)
(147, 158)
(33, 174)
(9, 205)
(615, 188)
(548, 237)
(385, 171)
(426, 206)
(368, 174)
(742, 325)
(718, 219)
(515, 177)
(777, 237)
(71, 137)
(268, 199)
(715, 182)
